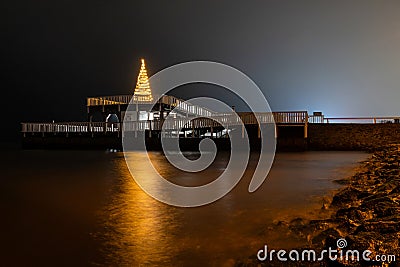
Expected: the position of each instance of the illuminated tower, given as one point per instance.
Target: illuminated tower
(143, 90)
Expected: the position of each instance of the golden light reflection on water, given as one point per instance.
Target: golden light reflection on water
(141, 225)
(140, 231)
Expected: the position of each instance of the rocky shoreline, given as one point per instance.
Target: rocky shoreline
(366, 213)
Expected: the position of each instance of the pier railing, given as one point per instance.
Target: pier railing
(171, 101)
(231, 119)
(382, 119)
(70, 127)
(108, 100)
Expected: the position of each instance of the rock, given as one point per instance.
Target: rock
(325, 236)
(345, 197)
(366, 212)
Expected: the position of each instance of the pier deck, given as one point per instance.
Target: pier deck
(294, 118)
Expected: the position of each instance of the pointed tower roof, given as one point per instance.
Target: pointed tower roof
(143, 90)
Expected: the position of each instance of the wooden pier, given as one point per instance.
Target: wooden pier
(191, 121)
(207, 124)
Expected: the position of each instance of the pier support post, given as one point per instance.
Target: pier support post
(136, 128)
(306, 127)
(90, 118)
(104, 122)
(150, 128)
(306, 131)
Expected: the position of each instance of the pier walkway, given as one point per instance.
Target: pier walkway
(293, 118)
(120, 102)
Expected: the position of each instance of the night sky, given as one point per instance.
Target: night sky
(339, 57)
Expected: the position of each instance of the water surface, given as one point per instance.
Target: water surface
(83, 208)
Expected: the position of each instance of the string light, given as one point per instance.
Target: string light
(143, 90)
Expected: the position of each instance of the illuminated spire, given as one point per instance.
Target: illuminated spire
(143, 90)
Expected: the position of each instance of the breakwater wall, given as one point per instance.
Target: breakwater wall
(361, 137)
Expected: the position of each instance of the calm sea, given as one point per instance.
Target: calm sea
(80, 208)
